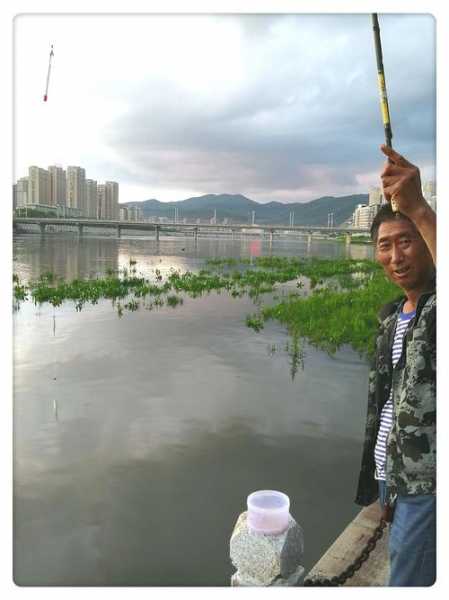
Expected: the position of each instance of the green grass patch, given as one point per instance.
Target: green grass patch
(328, 318)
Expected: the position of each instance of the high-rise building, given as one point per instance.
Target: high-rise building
(375, 196)
(363, 215)
(76, 189)
(429, 193)
(134, 213)
(101, 201)
(69, 191)
(58, 186)
(91, 199)
(429, 189)
(38, 186)
(112, 207)
(433, 202)
(123, 213)
(21, 192)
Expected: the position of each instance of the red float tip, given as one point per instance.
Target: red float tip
(45, 98)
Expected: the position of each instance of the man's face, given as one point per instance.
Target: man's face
(404, 255)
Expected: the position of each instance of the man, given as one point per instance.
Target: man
(399, 455)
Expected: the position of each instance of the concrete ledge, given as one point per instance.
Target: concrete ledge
(375, 571)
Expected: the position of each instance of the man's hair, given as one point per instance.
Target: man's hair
(386, 214)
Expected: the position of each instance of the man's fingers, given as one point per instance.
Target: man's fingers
(395, 157)
(387, 181)
(392, 169)
(390, 190)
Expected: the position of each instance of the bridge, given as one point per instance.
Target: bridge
(194, 229)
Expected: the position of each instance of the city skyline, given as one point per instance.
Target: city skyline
(68, 190)
(280, 107)
(73, 194)
(374, 192)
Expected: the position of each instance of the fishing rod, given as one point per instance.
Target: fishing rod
(382, 89)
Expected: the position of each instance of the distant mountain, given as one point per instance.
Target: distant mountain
(238, 209)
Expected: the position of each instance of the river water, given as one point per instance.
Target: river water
(137, 439)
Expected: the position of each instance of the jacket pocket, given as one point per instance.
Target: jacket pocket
(418, 450)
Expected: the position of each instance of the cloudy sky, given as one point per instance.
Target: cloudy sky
(276, 107)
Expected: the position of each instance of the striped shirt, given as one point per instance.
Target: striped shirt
(386, 417)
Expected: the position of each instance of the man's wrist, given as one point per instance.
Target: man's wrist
(423, 213)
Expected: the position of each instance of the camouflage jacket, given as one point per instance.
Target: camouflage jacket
(411, 445)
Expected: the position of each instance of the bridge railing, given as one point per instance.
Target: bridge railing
(145, 225)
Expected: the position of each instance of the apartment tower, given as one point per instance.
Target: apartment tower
(58, 186)
(76, 189)
(91, 198)
(21, 192)
(38, 186)
(112, 207)
(375, 196)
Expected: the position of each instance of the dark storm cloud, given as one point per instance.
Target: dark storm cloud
(306, 116)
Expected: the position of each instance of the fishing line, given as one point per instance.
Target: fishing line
(55, 401)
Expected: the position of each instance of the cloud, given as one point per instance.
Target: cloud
(305, 116)
(277, 107)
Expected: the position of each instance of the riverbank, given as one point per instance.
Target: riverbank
(348, 546)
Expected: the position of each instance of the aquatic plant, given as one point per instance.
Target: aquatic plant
(173, 301)
(20, 292)
(255, 321)
(341, 308)
(47, 277)
(132, 305)
(329, 319)
(226, 262)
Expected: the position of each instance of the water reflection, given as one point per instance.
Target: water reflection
(167, 521)
(296, 352)
(65, 256)
(70, 257)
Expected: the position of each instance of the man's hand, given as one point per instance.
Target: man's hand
(401, 181)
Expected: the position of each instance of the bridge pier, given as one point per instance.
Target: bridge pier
(157, 229)
(42, 228)
(195, 234)
(309, 243)
(80, 229)
(119, 231)
(271, 236)
(348, 238)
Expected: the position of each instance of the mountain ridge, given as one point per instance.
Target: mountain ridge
(237, 208)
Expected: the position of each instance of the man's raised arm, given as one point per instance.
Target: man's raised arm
(401, 180)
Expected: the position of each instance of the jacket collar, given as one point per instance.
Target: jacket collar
(398, 303)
